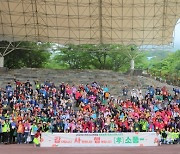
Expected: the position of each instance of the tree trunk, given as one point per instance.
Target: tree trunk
(104, 60)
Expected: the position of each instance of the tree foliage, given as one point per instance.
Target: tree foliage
(104, 56)
(27, 54)
(169, 66)
(89, 56)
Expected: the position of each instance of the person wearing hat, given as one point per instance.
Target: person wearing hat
(112, 125)
(45, 127)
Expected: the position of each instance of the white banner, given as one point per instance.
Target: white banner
(98, 139)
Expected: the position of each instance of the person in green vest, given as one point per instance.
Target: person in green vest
(136, 125)
(170, 136)
(112, 125)
(45, 127)
(144, 125)
(37, 85)
(33, 130)
(6, 130)
(1, 134)
(176, 136)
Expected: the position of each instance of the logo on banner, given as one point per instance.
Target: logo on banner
(57, 139)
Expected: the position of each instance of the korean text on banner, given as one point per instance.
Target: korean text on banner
(98, 139)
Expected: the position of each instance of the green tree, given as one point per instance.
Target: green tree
(103, 56)
(168, 68)
(26, 54)
(73, 57)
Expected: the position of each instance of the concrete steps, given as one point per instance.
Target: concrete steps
(114, 80)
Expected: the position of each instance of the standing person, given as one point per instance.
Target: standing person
(157, 91)
(139, 94)
(13, 131)
(164, 92)
(136, 125)
(20, 132)
(26, 131)
(37, 85)
(151, 91)
(78, 98)
(106, 92)
(125, 92)
(1, 133)
(37, 138)
(6, 131)
(159, 137)
(34, 129)
(62, 89)
(133, 95)
(45, 127)
(144, 125)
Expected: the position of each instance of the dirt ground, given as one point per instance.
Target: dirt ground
(29, 149)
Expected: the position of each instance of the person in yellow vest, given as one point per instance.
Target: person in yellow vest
(170, 136)
(1, 134)
(6, 131)
(176, 136)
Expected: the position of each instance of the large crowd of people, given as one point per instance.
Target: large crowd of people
(26, 109)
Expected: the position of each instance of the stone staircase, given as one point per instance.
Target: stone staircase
(114, 80)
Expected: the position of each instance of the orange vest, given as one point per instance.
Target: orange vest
(20, 128)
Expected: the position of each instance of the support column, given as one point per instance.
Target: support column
(1, 62)
(132, 64)
(100, 23)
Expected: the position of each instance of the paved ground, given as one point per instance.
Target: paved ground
(29, 149)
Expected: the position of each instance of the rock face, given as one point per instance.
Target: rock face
(114, 80)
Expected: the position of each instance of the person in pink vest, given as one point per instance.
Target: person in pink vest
(27, 128)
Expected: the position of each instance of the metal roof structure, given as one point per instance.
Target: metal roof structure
(139, 22)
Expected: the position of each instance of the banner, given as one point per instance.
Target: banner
(98, 139)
